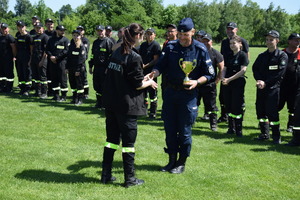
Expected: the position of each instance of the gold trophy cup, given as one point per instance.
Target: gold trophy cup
(187, 67)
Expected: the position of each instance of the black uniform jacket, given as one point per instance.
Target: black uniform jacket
(58, 47)
(124, 75)
(101, 51)
(270, 67)
(76, 57)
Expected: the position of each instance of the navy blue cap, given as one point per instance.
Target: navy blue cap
(108, 28)
(207, 36)
(231, 25)
(49, 20)
(20, 23)
(61, 28)
(294, 36)
(273, 33)
(201, 33)
(3, 25)
(76, 31)
(100, 27)
(185, 25)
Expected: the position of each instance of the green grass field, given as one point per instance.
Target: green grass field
(54, 151)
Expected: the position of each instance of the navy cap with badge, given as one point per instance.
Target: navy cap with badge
(3, 25)
(49, 20)
(273, 33)
(61, 28)
(20, 23)
(294, 36)
(201, 33)
(207, 36)
(231, 25)
(80, 27)
(108, 28)
(100, 27)
(38, 24)
(152, 30)
(185, 25)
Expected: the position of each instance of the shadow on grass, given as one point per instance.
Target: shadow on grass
(74, 176)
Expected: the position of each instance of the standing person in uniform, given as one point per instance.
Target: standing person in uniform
(24, 50)
(288, 87)
(199, 35)
(39, 61)
(86, 43)
(8, 52)
(75, 67)
(180, 109)
(234, 85)
(35, 19)
(57, 50)
(108, 33)
(123, 100)
(150, 52)
(208, 91)
(268, 70)
(101, 51)
(231, 30)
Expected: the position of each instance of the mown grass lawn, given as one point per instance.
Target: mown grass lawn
(54, 151)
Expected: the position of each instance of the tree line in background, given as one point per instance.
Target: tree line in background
(253, 21)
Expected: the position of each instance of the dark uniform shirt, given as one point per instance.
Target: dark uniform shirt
(101, 51)
(32, 33)
(39, 46)
(86, 43)
(216, 57)
(58, 47)
(76, 57)
(148, 51)
(293, 68)
(270, 67)
(23, 46)
(124, 75)
(225, 47)
(233, 63)
(5, 46)
(113, 40)
(50, 33)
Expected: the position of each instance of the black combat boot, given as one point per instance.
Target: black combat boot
(63, 96)
(108, 157)
(56, 96)
(74, 98)
(180, 165)
(224, 115)
(290, 124)
(86, 93)
(153, 108)
(264, 131)
(276, 134)
(9, 86)
(79, 99)
(231, 125)
(213, 121)
(129, 171)
(44, 91)
(238, 127)
(38, 89)
(171, 164)
(2, 85)
(98, 102)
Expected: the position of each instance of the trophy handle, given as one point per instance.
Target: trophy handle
(180, 61)
(194, 63)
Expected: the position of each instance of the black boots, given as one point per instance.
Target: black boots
(129, 171)
(238, 127)
(290, 124)
(295, 141)
(180, 165)
(276, 134)
(213, 121)
(152, 111)
(224, 115)
(264, 131)
(79, 101)
(171, 164)
(108, 157)
(98, 102)
(231, 125)
(44, 91)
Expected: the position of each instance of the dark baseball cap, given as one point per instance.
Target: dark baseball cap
(100, 27)
(185, 25)
(76, 31)
(294, 36)
(35, 17)
(273, 33)
(61, 28)
(172, 26)
(49, 20)
(231, 25)
(4, 25)
(152, 30)
(207, 36)
(108, 28)
(20, 23)
(80, 27)
(38, 24)
(201, 33)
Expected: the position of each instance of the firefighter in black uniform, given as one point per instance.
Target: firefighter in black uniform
(7, 53)
(24, 50)
(150, 52)
(35, 19)
(101, 51)
(39, 61)
(75, 67)
(268, 70)
(231, 30)
(108, 33)
(288, 87)
(234, 85)
(208, 91)
(57, 50)
(49, 23)
(86, 43)
(124, 102)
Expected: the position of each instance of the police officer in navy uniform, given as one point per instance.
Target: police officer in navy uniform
(231, 30)
(124, 102)
(7, 53)
(180, 109)
(208, 91)
(75, 67)
(24, 50)
(57, 50)
(39, 61)
(150, 52)
(101, 51)
(268, 70)
(86, 43)
(288, 87)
